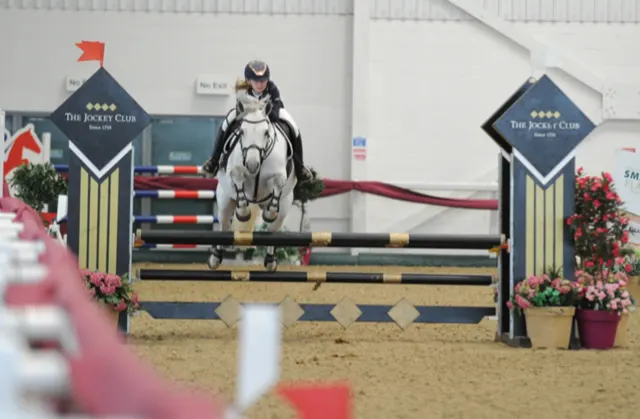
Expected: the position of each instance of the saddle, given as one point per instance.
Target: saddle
(231, 137)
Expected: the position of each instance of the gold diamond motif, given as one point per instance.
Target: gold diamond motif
(549, 114)
(97, 106)
(541, 114)
(112, 107)
(556, 114)
(105, 106)
(291, 311)
(346, 312)
(404, 313)
(534, 114)
(89, 106)
(229, 311)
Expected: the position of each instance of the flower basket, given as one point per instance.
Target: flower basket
(603, 299)
(112, 292)
(549, 327)
(597, 328)
(548, 308)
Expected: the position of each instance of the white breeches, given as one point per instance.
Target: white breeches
(229, 119)
(285, 115)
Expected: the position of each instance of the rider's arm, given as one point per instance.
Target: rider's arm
(276, 101)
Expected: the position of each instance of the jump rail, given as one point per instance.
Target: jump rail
(171, 194)
(317, 276)
(158, 170)
(325, 239)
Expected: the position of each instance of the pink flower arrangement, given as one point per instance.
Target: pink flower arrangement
(542, 291)
(110, 290)
(606, 291)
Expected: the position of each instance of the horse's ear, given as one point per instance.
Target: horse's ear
(265, 100)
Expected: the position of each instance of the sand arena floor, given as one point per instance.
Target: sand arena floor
(426, 371)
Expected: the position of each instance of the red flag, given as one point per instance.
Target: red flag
(319, 401)
(91, 51)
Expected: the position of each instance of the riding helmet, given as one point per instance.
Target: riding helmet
(257, 71)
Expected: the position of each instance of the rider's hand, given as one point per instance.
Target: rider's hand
(210, 167)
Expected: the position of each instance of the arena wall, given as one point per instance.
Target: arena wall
(425, 76)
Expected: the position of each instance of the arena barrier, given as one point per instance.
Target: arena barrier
(536, 183)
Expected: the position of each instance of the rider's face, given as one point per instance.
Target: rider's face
(258, 86)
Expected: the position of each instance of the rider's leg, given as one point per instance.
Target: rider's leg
(214, 162)
(302, 173)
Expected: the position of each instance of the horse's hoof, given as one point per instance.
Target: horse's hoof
(270, 263)
(243, 218)
(269, 217)
(215, 259)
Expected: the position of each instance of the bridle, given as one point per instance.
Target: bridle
(265, 151)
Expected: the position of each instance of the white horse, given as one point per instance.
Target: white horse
(255, 176)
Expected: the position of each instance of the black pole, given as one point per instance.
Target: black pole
(314, 276)
(372, 240)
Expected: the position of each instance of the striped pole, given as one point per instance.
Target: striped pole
(176, 247)
(158, 170)
(176, 219)
(315, 276)
(377, 240)
(171, 194)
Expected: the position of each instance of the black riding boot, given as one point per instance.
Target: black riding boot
(302, 173)
(213, 164)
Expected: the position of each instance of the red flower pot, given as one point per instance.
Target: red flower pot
(597, 328)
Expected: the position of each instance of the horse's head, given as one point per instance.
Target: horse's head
(256, 131)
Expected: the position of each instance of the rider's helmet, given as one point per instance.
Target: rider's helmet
(257, 70)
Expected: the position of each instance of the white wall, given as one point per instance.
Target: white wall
(431, 102)
(157, 58)
(436, 75)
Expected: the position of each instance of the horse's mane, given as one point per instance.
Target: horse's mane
(251, 103)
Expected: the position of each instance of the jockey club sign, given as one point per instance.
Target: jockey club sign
(100, 118)
(544, 126)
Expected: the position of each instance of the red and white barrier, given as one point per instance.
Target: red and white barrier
(43, 302)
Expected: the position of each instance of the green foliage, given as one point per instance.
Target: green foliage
(553, 273)
(309, 190)
(38, 184)
(289, 254)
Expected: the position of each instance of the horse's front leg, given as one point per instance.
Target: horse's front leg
(226, 207)
(238, 176)
(271, 216)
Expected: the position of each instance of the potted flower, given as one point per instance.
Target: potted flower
(303, 193)
(113, 292)
(601, 301)
(547, 303)
(599, 225)
(38, 185)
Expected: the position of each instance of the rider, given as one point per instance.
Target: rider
(258, 83)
